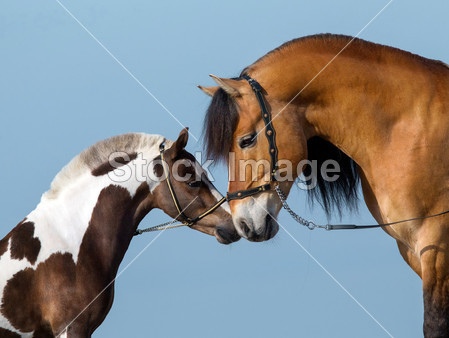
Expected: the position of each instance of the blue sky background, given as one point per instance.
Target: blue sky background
(60, 92)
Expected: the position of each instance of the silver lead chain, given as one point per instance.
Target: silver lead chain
(163, 226)
(309, 224)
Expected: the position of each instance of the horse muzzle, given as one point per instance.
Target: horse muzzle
(264, 233)
(225, 236)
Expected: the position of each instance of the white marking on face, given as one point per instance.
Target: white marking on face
(253, 211)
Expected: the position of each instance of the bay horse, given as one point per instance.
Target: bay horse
(67, 250)
(381, 113)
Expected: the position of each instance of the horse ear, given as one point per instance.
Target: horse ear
(182, 140)
(232, 87)
(208, 90)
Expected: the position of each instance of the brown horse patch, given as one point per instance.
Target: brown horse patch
(57, 272)
(8, 334)
(106, 167)
(23, 244)
(3, 246)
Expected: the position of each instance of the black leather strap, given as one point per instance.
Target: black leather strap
(370, 226)
(246, 193)
(270, 133)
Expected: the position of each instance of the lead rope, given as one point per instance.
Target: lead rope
(311, 225)
(163, 226)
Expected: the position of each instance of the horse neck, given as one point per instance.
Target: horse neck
(357, 102)
(94, 219)
(383, 110)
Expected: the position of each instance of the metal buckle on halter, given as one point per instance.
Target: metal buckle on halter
(253, 83)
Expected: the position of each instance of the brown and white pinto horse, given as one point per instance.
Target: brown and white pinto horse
(66, 251)
(381, 112)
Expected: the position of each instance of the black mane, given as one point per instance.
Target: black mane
(340, 193)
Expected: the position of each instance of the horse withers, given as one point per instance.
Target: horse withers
(67, 250)
(378, 112)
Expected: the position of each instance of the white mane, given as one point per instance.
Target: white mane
(97, 154)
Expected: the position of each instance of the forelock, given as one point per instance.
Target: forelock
(220, 123)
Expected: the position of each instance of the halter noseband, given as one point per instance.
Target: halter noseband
(186, 220)
(270, 133)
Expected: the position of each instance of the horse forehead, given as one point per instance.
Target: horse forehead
(198, 168)
(189, 161)
(248, 122)
(249, 115)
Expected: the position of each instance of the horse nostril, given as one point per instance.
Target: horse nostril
(226, 237)
(235, 236)
(245, 228)
(270, 227)
(267, 219)
(220, 232)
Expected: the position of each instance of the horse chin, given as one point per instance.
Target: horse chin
(225, 237)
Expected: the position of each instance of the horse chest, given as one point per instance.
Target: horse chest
(42, 250)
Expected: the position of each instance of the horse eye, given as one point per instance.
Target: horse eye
(194, 184)
(247, 141)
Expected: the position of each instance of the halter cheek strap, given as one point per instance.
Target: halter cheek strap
(270, 133)
(186, 220)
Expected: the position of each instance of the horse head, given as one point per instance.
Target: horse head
(235, 131)
(192, 191)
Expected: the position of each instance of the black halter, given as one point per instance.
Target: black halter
(186, 220)
(270, 133)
